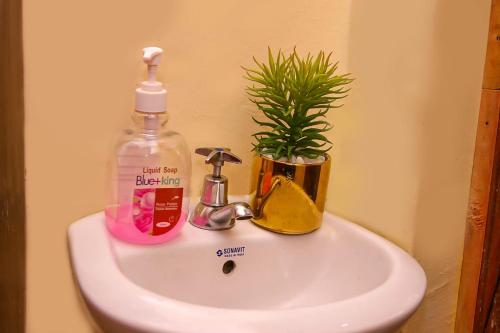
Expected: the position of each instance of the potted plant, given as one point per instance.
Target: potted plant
(291, 167)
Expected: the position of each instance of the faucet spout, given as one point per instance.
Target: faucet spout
(242, 211)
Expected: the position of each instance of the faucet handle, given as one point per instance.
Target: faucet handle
(218, 156)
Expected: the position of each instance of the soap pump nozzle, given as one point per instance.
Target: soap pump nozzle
(150, 97)
(152, 57)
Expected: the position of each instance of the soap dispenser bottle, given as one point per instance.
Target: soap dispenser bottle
(150, 169)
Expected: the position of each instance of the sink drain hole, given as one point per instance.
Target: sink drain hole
(228, 267)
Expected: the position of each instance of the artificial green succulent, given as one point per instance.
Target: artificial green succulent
(295, 93)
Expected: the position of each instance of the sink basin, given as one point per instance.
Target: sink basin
(340, 278)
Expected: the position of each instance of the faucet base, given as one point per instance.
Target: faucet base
(201, 215)
(219, 217)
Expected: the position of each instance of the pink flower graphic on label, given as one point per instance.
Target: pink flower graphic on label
(143, 209)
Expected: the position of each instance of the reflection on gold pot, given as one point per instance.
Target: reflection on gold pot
(289, 198)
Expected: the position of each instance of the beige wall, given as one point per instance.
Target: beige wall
(403, 143)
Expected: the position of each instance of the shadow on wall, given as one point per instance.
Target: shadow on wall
(423, 63)
(446, 149)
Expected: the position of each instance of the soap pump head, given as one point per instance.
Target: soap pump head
(151, 96)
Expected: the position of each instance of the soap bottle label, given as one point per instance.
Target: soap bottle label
(156, 210)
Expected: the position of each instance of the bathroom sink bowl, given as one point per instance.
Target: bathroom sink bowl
(340, 278)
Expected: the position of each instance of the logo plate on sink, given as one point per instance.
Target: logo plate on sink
(230, 252)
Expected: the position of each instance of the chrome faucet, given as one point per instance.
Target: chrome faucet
(213, 212)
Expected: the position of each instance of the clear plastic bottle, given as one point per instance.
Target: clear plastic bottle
(150, 172)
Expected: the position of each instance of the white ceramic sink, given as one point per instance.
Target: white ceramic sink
(340, 278)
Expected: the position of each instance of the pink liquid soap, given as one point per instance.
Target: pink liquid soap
(122, 225)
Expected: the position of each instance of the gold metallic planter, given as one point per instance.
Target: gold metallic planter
(288, 198)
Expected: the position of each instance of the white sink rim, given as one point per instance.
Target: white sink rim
(146, 310)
